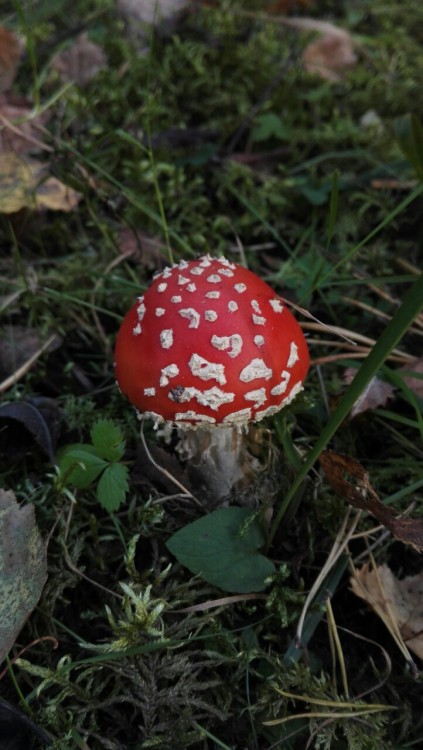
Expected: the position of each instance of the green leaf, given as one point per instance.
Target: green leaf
(80, 465)
(108, 440)
(113, 486)
(222, 548)
(269, 125)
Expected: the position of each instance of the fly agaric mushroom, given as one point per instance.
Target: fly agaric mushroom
(210, 345)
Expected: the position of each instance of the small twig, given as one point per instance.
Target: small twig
(23, 369)
(26, 648)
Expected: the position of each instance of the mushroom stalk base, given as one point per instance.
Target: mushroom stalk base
(219, 461)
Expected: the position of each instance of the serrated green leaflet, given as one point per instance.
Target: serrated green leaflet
(112, 486)
(80, 465)
(223, 547)
(108, 440)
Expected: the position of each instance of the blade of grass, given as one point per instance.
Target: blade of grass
(387, 220)
(396, 328)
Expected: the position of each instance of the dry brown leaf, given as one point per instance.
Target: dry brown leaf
(11, 47)
(377, 393)
(397, 603)
(340, 470)
(23, 568)
(24, 183)
(331, 54)
(20, 130)
(149, 251)
(80, 62)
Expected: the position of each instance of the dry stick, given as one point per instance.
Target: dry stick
(21, 371)
(378, 313)
(356, 355)
(358, 337)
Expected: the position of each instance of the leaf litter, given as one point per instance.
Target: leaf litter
(23, 568)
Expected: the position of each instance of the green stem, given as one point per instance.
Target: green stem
(396, 328)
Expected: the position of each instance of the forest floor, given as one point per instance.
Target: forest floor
(287, 137)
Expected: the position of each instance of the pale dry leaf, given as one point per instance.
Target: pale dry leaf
(25, 183)
(20, 130)
(397, 602)
(377, 393)
(80, 62)
(331, 54)
(11, 48)
(148, 250)
(150, 11)
(23, 568)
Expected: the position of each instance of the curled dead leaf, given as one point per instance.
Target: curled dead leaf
(25, 183)
(398, 603)
(349, 480)
(331, 54)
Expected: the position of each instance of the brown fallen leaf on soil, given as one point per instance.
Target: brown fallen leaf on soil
(377, 393)
(397, 603)
(20, 130)
(149, 251)
(25, 183)
(23, 568)
(331, 54)
(80, 62)
(349, 479)
(11, 47)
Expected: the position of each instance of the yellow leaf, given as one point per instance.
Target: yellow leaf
(24, 183)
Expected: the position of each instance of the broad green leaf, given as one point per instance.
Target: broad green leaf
(23, 568)
(80, 465)
(108, 440)
(223, 548)
(113, 486)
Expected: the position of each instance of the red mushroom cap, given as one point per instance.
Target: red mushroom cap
(210, 343)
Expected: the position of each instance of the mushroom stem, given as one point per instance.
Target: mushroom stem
(219, 461)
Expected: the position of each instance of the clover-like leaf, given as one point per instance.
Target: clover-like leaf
(113, 486)
(108, 440)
